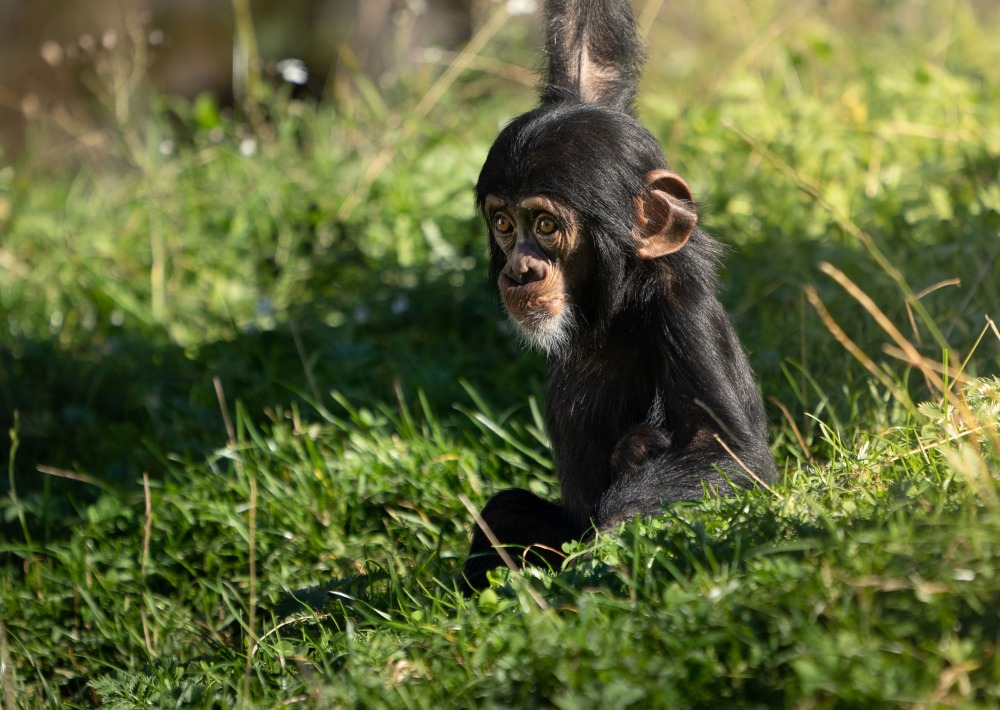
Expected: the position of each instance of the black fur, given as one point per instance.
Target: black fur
(593, 53)
(654, 371)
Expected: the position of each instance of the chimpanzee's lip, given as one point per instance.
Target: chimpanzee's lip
(534, 314)
(553, 304)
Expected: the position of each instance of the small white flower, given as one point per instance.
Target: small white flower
(52, 53)
(166, 147)
(521, 7)
(248, 147)
(293, 71)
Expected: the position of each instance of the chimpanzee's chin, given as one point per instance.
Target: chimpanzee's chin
(548, 334)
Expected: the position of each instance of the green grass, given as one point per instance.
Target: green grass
(246, 393)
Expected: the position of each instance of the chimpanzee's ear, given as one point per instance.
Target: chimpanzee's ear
(665, 215)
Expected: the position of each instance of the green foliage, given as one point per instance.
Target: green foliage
(254, 368)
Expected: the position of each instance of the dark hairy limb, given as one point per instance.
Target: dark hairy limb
(533, 528)
(594, 53)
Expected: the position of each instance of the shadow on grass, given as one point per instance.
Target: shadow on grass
(126, 401)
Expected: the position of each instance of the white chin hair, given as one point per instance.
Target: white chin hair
(548, 333)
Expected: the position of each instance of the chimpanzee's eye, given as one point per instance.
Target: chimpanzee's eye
(502, 224)
(546, 225)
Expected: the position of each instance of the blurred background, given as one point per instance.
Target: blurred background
(47, 46)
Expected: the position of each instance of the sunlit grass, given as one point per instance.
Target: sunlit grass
(257, 370)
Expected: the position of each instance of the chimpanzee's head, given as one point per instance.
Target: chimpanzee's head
(569, 192)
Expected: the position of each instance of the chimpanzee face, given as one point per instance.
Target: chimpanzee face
(548, 259)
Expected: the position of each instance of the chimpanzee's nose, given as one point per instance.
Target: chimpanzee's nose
(525, 269)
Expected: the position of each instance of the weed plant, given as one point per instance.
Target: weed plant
(250, 374)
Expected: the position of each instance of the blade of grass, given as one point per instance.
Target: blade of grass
(841, 337)
(883, 321)
(418, 114)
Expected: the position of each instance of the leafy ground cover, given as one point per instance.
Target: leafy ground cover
(250, 369)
